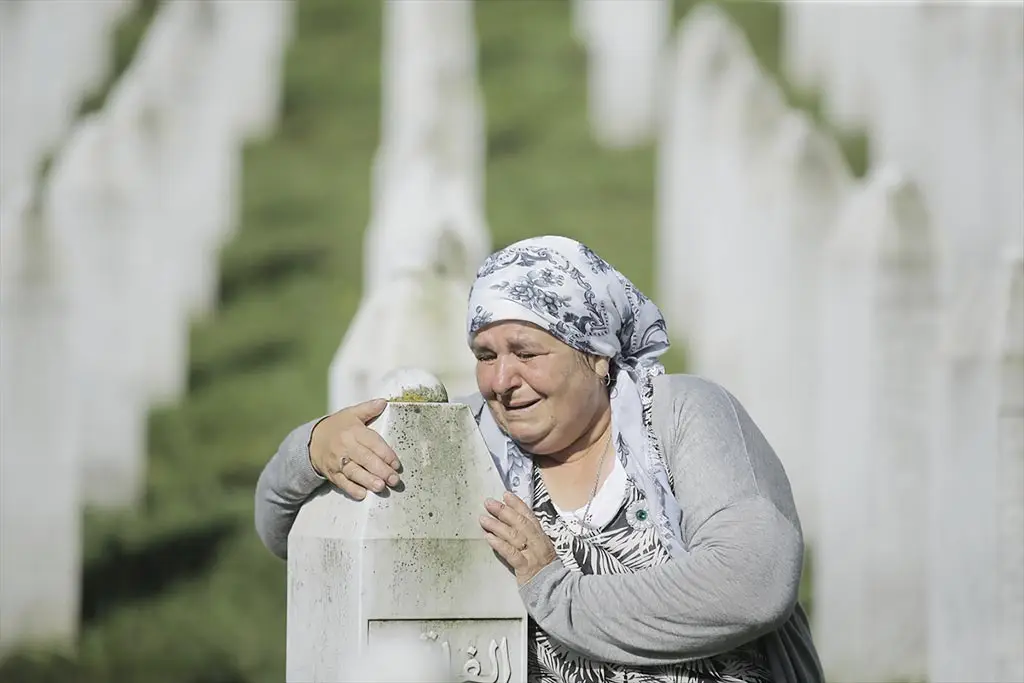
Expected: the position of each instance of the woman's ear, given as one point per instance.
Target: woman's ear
(602, 367)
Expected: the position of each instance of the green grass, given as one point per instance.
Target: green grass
(181, 590)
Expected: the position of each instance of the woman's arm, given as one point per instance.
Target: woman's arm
(285, 484)
(742, 573)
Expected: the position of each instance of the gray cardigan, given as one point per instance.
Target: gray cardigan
(738, 582)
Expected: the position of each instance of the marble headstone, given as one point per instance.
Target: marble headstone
(403, 586)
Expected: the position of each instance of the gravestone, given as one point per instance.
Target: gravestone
(416, 318)
(253, 43)
(798, 192)
(92, 202)
(878, 397)
(625, 43)
(431, 154)
(707, 45)
(54, 54)
(976, 593)
(40, 518)
(744, 121)
(404, 586)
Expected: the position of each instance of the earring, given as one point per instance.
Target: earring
(607, 379)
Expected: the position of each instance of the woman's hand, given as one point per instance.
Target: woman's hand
(515, 534)
(352, 456)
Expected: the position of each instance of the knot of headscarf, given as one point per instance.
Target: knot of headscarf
(570, 292)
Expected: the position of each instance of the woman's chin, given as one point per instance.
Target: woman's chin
(528, 438)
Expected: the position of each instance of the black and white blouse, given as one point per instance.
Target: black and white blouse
(621, 539)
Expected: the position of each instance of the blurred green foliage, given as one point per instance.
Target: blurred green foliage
(181, 590)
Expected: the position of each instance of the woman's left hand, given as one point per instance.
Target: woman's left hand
(515, 534)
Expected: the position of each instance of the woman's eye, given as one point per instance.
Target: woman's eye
(484, 357)
(525, 355)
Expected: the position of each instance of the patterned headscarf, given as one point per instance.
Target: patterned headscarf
(573, 294)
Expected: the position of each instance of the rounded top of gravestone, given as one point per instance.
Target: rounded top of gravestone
(410, 385)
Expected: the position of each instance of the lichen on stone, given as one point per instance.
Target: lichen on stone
(421, 394)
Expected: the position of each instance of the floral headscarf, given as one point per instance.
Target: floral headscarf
(572, 293)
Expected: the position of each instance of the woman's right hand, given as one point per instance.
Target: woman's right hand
(352, 456)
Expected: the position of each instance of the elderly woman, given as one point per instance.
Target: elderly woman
(650, 525)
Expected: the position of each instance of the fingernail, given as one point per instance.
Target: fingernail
(393, 480)
(378, 485)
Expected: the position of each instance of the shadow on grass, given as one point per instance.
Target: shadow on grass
(124, 575)
(256, 357)
(271, 270)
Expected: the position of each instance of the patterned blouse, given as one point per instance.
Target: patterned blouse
(628, 543)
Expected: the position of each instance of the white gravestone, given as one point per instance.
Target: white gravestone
(255, 40)
(92, 200)
(878, 396)
(404, 586)
(52, 55)
(806, 37)
(40, 518)
(745, 119)
(708, 44)
(797, 197)
(431, 152)
(416, 318)
(976, 568)
(626, 44)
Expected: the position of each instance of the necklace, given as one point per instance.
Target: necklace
(585, 520)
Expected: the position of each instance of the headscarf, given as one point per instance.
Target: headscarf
(567, 290)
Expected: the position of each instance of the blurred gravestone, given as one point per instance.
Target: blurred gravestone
(52, 55)
(795, 205)
(625, 42)
(976, 568)
(404, 587)
(92, 200)
(432, 138)
(878, 394)
(707, 46)
(40, 519)
(744, 121)
(253, 41)
(416, 318)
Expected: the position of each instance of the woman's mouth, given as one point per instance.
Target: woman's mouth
(521, 406)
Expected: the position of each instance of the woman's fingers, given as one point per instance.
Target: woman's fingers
(508, 514)
(351, 488)
(371, 452)
(355, 473)
(506, 533)
(512, 557)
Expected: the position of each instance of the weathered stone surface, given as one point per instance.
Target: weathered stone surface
(408, 567)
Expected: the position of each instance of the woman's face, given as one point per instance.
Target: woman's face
(542, 393)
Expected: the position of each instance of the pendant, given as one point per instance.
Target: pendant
(639, 516)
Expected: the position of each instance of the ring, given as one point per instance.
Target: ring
(345, 461)
(523, 546)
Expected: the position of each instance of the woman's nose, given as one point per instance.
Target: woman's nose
(506, 376)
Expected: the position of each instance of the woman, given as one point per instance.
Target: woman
(650, 525)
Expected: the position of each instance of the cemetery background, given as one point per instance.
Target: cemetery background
(180, 588)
